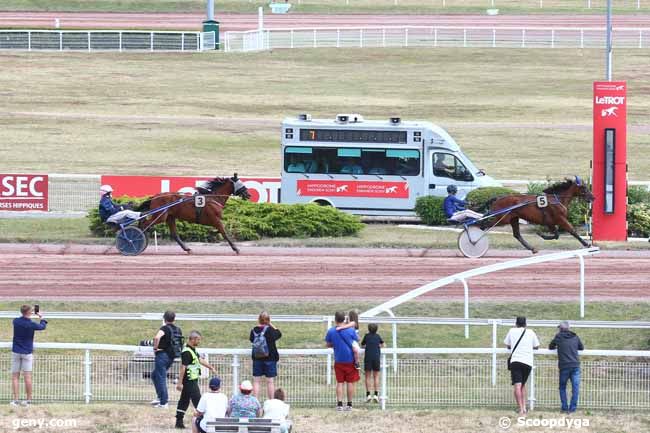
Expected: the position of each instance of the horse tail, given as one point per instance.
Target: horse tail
(144, 206)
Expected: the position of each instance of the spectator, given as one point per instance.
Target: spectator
(266, 366)
(243, 404)
(352, 321)
(167, 345)
(212, 405)
(22, 357)
(346, 374)
(277, 409)
(455, 208)
(373, 343)
(351, 166)
(568, 361)
(190, 372)
(521, 341)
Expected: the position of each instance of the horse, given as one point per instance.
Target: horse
(550, 210)
(214, 195)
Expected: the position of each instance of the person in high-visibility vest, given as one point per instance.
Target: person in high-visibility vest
(190, 372)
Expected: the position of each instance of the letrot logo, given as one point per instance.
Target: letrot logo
(612, 100)
(621, 87)
(342, 188)
(391, 190)
(607, 112)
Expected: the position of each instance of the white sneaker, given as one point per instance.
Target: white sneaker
(161, 406)
(154, 402)
(339, 408)
(26, 403)
(375, 398)
(347, 409)
(368, 398)
(14, 403)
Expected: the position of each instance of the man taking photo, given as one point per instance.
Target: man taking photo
(22, 351)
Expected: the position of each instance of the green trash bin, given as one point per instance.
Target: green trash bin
(212, 26)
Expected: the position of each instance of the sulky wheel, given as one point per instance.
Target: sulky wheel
(473, 242)
(131, 241)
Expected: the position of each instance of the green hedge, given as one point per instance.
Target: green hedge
(249, 221)
(638, 211)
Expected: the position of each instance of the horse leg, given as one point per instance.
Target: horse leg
(515, 232)
(566, 225)
(553, 237)
(219, 225)
(171, 223)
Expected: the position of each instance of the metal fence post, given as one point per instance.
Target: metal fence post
(406, 37)
(582, 287)
(384, 393)
(552, 38)
(329, 357)
(523, 38)
(494, 38)
(235, 373)
(582, 38)
(88, 41)
(87, 364)
(390, 313)
(120, 42)
(151, 41)
(183, 42)
(60, 41)
(531, 393)
(29, 41)
(314, 38)
(466, 309)
(360, 38)
(494, 352)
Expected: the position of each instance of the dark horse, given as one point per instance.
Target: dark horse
(214, 196)
(528, 207)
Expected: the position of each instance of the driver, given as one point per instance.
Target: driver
(455, 208)
(109, 212)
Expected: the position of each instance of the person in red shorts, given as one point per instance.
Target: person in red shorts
(346, 373)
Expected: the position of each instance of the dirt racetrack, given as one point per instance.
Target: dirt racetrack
(291, 274)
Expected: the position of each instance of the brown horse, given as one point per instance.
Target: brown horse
(550, 210)
(205, 208)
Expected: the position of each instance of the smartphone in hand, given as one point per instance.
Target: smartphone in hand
(37, 309)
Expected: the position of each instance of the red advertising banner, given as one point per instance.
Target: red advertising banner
(609, 180)
(262, 189)
(23, 192)
(340, 188)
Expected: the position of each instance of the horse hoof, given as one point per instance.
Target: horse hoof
(534, 251)
(188, 251)
(236, 252)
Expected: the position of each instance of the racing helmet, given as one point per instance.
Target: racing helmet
(451, 189)
(105, 189)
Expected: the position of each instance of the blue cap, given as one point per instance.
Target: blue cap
(215, 383)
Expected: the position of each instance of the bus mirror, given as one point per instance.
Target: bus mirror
(342, 118)
(395, 120)
(306, 117)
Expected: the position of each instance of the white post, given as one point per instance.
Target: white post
(235, 373)
(120, 42)
(492, 3)
(384, 393)
(582, 38)
(582, 286)
(466, 290)
(638, 4)
(88, 41)
(494, 38)
(209, 12)
(260, 18)
(435, 37)
(588, 4)
(552, 38)
(314, 38)
(183, 42)
(406, 37)
(155, 240)
(291, 37)
(383, 37)
(338, 38)
(444, 3)
(464, 38)
(523, 38)
(640, 38)
(60, 41)
(87, 364)
(531, 392)
(151, 41)
(494, 352)
(390, 313)
(29, 41)
(541, 4)
(329, 357)
(57, 23)
(360, 38)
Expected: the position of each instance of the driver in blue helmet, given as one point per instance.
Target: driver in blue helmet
(109, 212)
(455, 208)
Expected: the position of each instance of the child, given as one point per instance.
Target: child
(277, 409)
(353, 321)
(373, 343)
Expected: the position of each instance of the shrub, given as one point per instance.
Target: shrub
(248, 221)
(638, 194)
(638, 219)
(430, 210)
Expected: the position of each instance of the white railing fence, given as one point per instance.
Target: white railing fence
(434, 37)
(424, 377)
(103, 40)
(527, 4)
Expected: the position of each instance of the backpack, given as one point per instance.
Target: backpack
(260, 346)
(176, 342)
